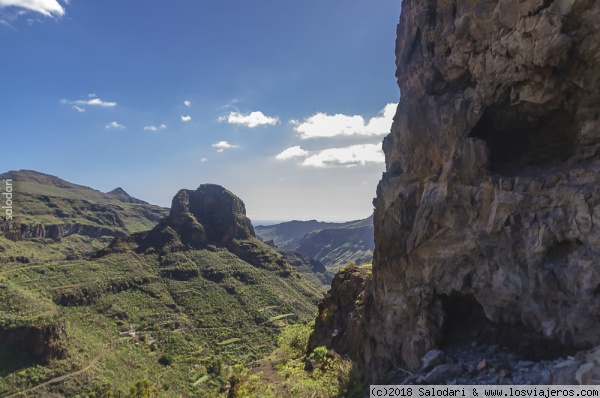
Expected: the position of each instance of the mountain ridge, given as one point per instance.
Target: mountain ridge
(334, 244)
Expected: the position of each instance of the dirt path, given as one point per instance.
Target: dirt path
(270, 376)
(62, 378)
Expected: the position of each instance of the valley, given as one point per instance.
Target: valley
(101, 305)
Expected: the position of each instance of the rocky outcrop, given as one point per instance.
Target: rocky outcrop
(41, 342)
(210, 214)
(339, 323)
(491, 196)
(59, 231)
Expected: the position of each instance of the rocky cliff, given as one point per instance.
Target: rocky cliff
(488, 214)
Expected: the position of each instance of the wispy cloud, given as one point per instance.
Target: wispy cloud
(204, 160)
(355, 155)
(92, 101)
(231, 104)
(78, 109)
(324, 125)
(222, 145)
(156, 128)
(187, 103)
(186, 118)
(49, 8)
(253, 119)
(292, 152)
(114, 125)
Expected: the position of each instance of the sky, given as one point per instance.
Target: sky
(283, 103)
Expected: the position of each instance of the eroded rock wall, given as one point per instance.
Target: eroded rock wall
(492, 188)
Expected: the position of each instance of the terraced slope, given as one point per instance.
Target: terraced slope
(177, 309)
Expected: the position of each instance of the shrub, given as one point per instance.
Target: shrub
(165, 359)
(319, 354)
(294, 339)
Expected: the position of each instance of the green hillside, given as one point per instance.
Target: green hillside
(49, 207)
(179, 309)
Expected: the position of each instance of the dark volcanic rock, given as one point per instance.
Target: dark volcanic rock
(210, 214)
(491, 195)
(41, 342)
(338, 324)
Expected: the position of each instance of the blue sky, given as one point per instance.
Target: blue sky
(283, 103)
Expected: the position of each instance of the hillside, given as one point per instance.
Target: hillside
(288, 235)
(333, 244)
(177, 305)
(47, 207)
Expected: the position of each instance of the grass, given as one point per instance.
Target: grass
(229, 341)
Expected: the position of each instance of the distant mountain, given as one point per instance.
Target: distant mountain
(120, 194)
(46, 206)
(287, 235)
(334, 244)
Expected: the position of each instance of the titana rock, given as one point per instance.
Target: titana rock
(210, 214)
(488, 214)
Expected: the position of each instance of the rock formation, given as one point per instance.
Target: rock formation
(489, 209)
(209, 214)
(43, 342)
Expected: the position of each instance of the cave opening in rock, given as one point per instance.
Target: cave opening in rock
(465, 323)
(519, 138)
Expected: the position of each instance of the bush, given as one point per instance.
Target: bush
(294, 339)
(165, 360)
(319, 354)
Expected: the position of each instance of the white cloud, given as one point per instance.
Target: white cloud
(93, 101)
(186, 118)
(324, 125)
(78, 109)
(156, 128)
(114, 125)
(222, 145)
(292, 152)
(350, 156)
(204, 160)
(251, 120)
(187, 103)
(48, 8)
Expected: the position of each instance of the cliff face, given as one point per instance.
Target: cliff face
(490, 203)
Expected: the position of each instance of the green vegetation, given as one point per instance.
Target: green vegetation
(83, 314)
(184, 318)
(284, 373)
(133, 320)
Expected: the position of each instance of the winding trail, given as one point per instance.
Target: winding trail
(62, 378)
